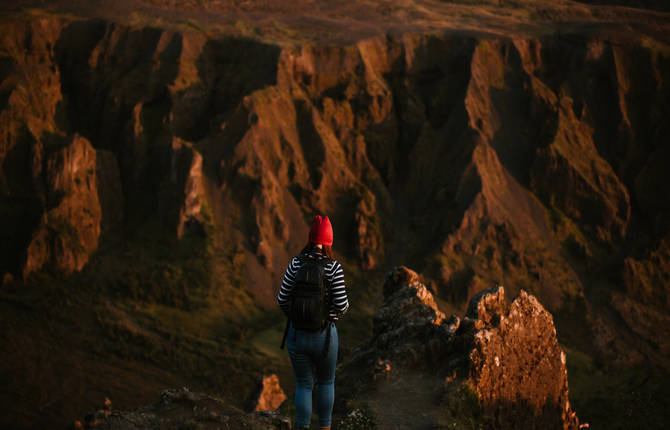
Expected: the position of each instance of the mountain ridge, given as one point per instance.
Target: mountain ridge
(476, 157)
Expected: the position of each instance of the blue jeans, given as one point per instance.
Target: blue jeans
(306, 351)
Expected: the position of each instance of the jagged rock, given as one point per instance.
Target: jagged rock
(409, 324)
(270, 395)
(181, 408)
(70, 228)
(460, 137)
(368, 242)
(570, 175)
(515, 365)
(186, 175)
(487, 306)
(506, 355)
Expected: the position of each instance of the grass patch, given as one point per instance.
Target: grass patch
(462, 409)
(153, 302)
(617, 398)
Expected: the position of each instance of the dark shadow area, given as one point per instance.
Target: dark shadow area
(509, 415)
(7, 65)
(229, 69)
(20, 206)
(72, 51)
(525, 123)
(434, 144)
(313, 148)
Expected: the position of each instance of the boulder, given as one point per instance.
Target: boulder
(270, 395)
(515, 364)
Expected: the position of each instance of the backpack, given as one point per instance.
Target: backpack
(310, 301)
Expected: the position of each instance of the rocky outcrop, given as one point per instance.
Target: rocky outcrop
(409, 326)
(506, 354)
(184, 194)
(182, 408)
(516, 366)
(269, 395)
(71, 224)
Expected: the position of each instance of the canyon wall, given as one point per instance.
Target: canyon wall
(533, 162)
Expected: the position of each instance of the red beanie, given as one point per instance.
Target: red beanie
(321, 231)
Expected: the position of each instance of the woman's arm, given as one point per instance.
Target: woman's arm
(287, 287)
(335, 275)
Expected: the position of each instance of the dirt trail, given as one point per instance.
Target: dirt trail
(405, 402)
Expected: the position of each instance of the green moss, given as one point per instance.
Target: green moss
(462, 409)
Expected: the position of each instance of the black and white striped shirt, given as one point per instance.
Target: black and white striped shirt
(334, 277)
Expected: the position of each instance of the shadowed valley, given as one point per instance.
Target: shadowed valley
(160, 164)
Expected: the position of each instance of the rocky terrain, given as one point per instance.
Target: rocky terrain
(161, 162)
(182, 408)
(500, 366)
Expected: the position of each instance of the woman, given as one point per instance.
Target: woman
(315, 351)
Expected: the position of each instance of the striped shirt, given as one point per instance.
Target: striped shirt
(334, 277)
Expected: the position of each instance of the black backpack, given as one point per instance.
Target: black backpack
(310, 300)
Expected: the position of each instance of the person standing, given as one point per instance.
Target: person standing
(313, 296)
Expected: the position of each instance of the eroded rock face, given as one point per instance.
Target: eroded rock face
(487, 158)
(187, 190)
(506, 353)
(71, 224)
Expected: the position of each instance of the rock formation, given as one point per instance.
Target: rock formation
(520, 143)
(519, 158)
(182, 408)
(269, 395)
(73, 191)
(516, 366)
(506, 355)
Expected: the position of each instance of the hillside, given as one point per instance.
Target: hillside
(159, 164)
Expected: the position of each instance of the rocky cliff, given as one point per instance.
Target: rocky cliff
(534, 161)
(519, 144)
(499, 367)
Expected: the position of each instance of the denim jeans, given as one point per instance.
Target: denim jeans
(306, 352)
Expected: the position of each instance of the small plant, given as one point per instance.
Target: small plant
(463, 410)
(359, 418)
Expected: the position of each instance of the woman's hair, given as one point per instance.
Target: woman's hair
(326, 250)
